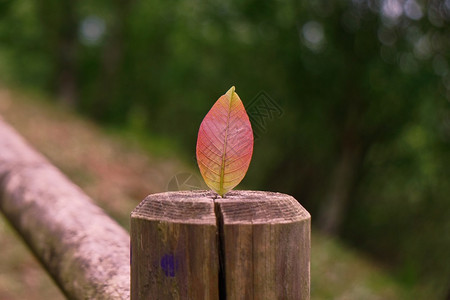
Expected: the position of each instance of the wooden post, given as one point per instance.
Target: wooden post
(196, 245)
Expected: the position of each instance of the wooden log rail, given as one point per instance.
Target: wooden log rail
(85, 251)
(184, 245)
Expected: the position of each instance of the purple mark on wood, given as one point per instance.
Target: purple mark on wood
(169, 264)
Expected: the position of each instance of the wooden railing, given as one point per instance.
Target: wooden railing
(84, 250)
(184, 245)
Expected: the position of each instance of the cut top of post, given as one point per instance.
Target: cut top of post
(188, 207)
(257, 207)
(237, 207)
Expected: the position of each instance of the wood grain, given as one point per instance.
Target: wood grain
(266, 244)
(174, 247)
(248, 245)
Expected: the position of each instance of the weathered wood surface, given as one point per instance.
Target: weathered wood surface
(265, 241)
(84, 250)
(174, 251)
(261, 239)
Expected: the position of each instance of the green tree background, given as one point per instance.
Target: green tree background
(363, 86)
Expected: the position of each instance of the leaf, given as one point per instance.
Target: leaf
(225, 144)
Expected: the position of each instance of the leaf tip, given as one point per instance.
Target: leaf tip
(231, 90)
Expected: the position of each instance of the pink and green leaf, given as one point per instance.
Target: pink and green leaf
(225, 144)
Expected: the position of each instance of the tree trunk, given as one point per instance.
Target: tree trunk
(112, 59)
(342, 183)
(67, 52)
(60, 28)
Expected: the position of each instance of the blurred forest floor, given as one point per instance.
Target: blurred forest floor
(117, 173)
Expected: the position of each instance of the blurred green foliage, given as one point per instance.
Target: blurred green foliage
(364, 87)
